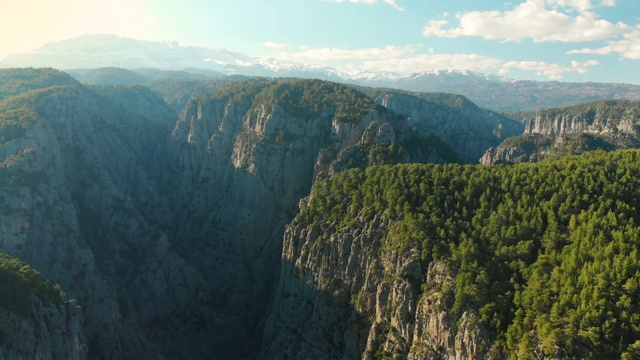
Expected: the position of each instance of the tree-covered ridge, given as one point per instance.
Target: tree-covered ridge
(17, 113)
(301, 97)
(547, 254)
(612, 109)
(438, 98)
(18, 81)
(18, 282)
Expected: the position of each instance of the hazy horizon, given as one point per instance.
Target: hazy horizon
(565, 40)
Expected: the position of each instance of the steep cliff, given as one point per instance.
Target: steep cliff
(606, 125)
(452, 262)
(168, 229)
(246, 155)
(35, 320)
(78, 185)
(468, 129)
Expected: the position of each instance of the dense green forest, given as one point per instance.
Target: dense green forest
(547, 254)
(18, 282)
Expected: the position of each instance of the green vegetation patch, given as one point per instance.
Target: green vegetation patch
(301, 98)
(18, 282)
(547, 254)
(19, 81)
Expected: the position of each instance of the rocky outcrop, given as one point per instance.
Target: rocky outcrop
(606, 125)
(341, 296)
(469, 130)
(48, 332)
(593, 120)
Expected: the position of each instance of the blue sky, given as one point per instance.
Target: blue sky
(566, 40)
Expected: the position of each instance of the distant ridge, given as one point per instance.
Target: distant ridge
(491, 91)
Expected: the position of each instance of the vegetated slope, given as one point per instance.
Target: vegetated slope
(472, 262)
(18, 81)
(120, 76)
(177, 92)
(605, 125)
(35, 320)
(168, 229)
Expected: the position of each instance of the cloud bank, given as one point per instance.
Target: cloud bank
(538, 20)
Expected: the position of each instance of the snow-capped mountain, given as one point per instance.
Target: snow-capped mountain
(492, 91)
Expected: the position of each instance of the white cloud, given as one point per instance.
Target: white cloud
(551, 70)
(307, 54)
(403, 59)
(274, 45)
(394, 4)
(628, 47)
(409, 59)
(423, 62)
(580, 5)
(371, 2)
(534, 20)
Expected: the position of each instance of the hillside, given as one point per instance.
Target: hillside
(468, 262)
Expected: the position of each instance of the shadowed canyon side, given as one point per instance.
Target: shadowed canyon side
(246, 155)
(77, 175)
(35, 320)
(605, 125)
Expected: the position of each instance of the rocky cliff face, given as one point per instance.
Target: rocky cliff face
(606, 125)
(341, 296)
(595, 118)
(245, 161)
(469, 130)
(48, 332)
(77, 177)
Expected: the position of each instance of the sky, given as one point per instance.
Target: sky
(565, 40)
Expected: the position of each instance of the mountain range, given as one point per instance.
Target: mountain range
(490, 91)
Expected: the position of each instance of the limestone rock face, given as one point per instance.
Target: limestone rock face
(605, 125)
(469, 130)
(244, 167)
(504, 154)
(75, 186)
(596, 120)
(338, 297)
(49, 332)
